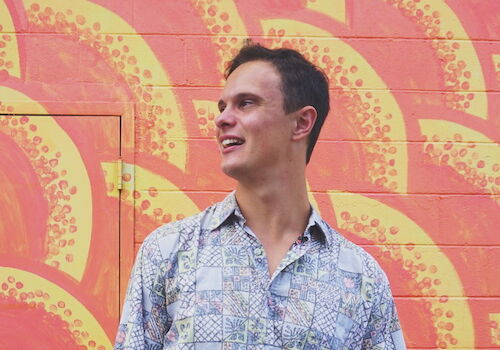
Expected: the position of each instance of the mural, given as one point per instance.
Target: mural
(107, 131)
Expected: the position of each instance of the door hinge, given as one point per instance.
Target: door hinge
(119, 174)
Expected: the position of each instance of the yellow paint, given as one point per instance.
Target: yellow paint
(476, 146)
(128, 180)
(145, 59)
(176, 203)
(409, 232)
(335, 9)
(368, 74)
(495, 330)
(81, 202)
(206, 112)
(496, 63)
(448, 131)
(111, 172)
(52, 295)
(449, 22)
(221, 15)
(146, 179)
(70, 160)
(11, 48)
(18, 101)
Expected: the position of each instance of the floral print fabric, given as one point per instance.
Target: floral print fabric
(203, 283)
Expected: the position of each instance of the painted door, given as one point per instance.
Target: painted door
(59, 231)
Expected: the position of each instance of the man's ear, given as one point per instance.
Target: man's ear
(304, 122)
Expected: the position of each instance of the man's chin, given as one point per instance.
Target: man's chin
(228, 170)
(232, 170)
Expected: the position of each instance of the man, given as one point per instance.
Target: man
(261, 269)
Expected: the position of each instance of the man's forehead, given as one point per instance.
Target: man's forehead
(254, 77)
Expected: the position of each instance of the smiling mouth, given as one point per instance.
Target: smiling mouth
(231, 142)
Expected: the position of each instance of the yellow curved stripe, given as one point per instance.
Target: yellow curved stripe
(469, 152)
(58, 301)
(451, 131)
(70, 160)
(206, 112)
(397, 179)
(153, 190)
(223, 20)
(19, 101)
(140, 68)
(177, 202)
(11, 49)
(335, 9)
(353, 209)
(450, 23)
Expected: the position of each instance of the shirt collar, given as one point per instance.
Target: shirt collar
(317, 225)
(225, 209)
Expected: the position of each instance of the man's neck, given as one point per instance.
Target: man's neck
(275, 209)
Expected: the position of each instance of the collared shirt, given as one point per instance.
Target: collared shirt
(203, 283)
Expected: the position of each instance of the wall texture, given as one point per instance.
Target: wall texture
(106, 132)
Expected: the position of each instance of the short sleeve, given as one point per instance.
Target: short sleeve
(144, 318)
(383, 330)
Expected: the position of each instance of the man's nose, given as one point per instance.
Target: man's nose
(224, 119)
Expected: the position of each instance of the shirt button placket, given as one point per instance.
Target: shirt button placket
(258, 308)
(261, 269)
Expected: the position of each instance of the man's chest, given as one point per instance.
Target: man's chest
(223, 294)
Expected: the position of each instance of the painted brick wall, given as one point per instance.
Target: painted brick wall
(107, 132)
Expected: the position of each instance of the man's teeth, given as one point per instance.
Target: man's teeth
(231, 142)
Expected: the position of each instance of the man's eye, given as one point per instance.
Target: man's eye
(221, 108)
(245, 103)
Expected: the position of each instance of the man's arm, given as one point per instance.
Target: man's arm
(383, 330)
(144, 319)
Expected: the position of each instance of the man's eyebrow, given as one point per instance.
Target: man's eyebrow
(239, 97)
(244, 95)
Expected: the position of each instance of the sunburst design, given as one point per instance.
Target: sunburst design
(159, 122)
(471, 154)
(36, 292)
(174, 174)
(457, 55)
(61, 173)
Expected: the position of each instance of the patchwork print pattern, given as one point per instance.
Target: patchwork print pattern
(207, 286)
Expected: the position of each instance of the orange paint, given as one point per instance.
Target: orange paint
(413, 131)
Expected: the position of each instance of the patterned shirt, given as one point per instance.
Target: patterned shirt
(203, 283)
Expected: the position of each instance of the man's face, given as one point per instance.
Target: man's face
(252, 130)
